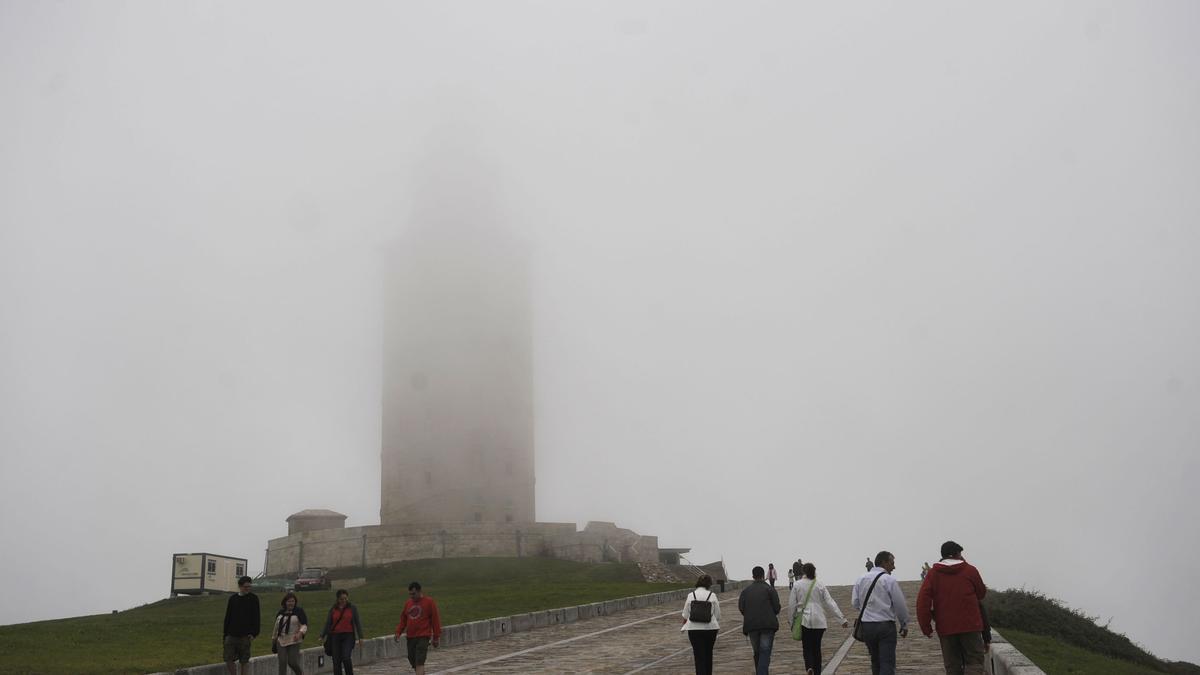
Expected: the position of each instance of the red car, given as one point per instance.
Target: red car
(313, 578)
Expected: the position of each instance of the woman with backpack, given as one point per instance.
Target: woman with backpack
(806, 606)
(701, 620)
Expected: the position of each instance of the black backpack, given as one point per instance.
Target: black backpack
(701, 610)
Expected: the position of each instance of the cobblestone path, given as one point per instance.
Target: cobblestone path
(649, 641)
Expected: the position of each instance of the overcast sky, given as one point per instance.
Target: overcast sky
(885, 274)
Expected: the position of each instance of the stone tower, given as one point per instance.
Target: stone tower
(457, 385)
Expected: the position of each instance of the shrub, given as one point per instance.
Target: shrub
(1033, 612)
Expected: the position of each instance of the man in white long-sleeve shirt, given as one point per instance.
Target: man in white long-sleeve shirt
(885, 609)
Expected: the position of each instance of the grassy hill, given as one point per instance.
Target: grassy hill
(1064, 640)
(186, 631)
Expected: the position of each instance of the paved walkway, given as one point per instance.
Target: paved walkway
(649, 641)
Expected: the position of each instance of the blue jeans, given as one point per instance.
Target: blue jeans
(880, 637)
(761, 642)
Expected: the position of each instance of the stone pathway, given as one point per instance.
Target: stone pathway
(649, 641)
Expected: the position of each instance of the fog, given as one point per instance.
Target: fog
(806, 280)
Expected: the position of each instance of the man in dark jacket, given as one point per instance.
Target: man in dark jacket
(759, 605)
(950, 597)
(241, 626)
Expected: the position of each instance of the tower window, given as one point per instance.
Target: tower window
(478, 517)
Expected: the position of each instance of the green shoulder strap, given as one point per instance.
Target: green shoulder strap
(806, 597)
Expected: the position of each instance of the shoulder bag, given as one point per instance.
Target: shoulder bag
(329, 637)
(858, 622)
(797, 626)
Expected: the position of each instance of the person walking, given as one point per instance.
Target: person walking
(343, 630)
(702, 620)
(881, 606)
(870, 564)
(807, 604)
(242, 625)
(772, 575)
(291, 625)
(759, 605)
(421, 620)
(924, 570)
(791, 578)
(950, 597)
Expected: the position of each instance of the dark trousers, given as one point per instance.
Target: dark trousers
(880, 637)
(761, 643)
(343, 650)
(962, 653)
(810, 640)
(702, 649)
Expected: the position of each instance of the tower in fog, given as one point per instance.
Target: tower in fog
(457, 384)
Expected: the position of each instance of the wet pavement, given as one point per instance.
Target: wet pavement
(649, 641)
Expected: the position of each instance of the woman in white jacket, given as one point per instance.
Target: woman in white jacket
(702, 634)
(811, 598)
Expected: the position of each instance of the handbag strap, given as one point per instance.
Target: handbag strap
(806, 597)
(864, 607)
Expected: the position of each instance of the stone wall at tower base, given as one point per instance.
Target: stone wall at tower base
(371, 545)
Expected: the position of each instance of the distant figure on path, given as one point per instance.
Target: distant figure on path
(241, 626)
(759, 605)
(702, 633)
(772, 575)
(791, 579)
(924, 570)
(807, 604)
(291, 625)
(880, 602)
(796, 568)
(870, 565)
(950, 597)
(343, 628)
(421, 620)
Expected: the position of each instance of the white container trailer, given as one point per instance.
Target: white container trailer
(199, 573)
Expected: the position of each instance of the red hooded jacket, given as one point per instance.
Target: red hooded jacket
(950, 598)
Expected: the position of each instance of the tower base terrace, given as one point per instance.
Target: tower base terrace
(372, 545)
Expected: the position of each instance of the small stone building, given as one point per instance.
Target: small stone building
(310, 520)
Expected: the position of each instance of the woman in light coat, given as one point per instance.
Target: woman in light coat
(812, 622)
(702, 635)
(291, 623)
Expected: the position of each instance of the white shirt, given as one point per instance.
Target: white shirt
(886, 602)
(700, 594)
(818, 602)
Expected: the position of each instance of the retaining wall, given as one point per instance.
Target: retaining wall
(1004, 659)
(371, 545)
(387, 647)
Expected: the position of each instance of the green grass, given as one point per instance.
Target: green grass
(1064, 640)
(1059, 658)
(186, 631)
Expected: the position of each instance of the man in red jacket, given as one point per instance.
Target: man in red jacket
(421, 620)
(950, 597)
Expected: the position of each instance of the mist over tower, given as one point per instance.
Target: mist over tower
(457, 436)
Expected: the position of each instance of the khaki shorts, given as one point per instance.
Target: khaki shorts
(237, 649)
